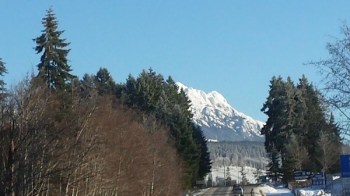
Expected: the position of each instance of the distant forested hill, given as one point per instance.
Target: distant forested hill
(244, 153)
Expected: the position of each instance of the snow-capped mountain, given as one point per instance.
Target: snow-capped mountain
(218, 119)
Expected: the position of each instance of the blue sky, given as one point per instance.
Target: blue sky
(233, 47)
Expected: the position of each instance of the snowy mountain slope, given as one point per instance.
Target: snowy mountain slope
(218, 119)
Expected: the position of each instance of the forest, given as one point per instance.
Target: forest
(244, 153)
(62, 135)
(300, 132)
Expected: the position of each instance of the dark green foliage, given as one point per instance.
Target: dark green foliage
(2, 72)
(333, 133)
(104, 82)
(314, 120)
(53, 67)
(278, 108)
(151, 94)
(2, 82)
(274, 166)
(204, 163)
(296, 117)
(87, 86)
(144, 92)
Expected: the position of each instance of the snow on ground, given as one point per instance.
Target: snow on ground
(271, 191)
(268, 190)
(335, 186)
(234, 172)
(311, 192)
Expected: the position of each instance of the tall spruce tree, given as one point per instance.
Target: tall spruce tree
(53, 67)
(274, 166)
(104, 82)
(285, 110)
(314, 121)
(2, 82)
(296, 117)
(204, 158)
(87, 86)
(334, 132)
(278, 108)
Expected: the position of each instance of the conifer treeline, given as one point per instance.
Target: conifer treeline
(60, 135)
(299, 135)
(243, 153)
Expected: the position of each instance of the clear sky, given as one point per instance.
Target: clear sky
(231, 46)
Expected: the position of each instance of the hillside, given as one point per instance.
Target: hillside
(245, 153)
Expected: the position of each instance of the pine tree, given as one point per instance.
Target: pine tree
(272, 108)
(2, 82)
(104, 82)
(274, 166)
(53, 67)
(279, 109)
(87, 86)
(285, 109)
(152, 95)
(333, 133)
(290, 161)
(314, 117)
(296, 118)
(204, 159)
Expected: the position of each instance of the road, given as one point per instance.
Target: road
(223, 191)
(227, 191)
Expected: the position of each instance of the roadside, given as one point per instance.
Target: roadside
(265, 189)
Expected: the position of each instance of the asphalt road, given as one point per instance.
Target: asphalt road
(226, 191)
(223, 191)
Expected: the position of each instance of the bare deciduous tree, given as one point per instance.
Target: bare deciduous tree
(91, 146)
(328, 152)
(336, 72)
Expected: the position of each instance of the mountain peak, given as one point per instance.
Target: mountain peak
(218, 119)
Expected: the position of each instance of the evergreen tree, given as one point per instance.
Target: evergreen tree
(333, 132)
(204, 159)
(315, 121)
(296, 118)
(290, 159)
(274, 166)
(2, 82)
(286, 110)
(87, 86)
(152, 95)
(273, 108)
(104, 82)
(279, 109)
(53, 67)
